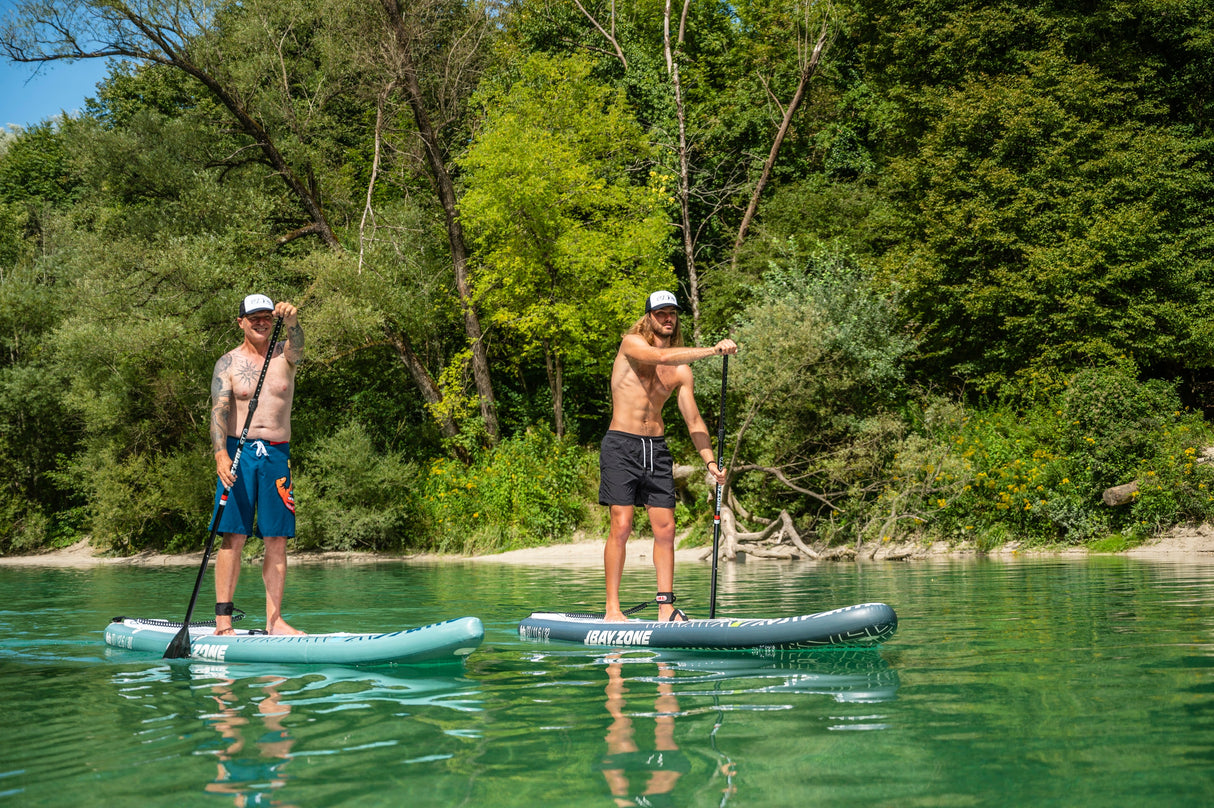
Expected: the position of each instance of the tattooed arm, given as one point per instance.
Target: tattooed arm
(221, 415)
(293, 347)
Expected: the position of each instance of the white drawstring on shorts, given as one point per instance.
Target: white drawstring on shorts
(647, 466)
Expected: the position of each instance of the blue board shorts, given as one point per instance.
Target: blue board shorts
(263, 487)
(635, 470)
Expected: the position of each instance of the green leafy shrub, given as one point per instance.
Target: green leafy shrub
(349, 496)
(1038, 474)
(23, 527)
(529, 490)
(1110, 422)
(144, 501)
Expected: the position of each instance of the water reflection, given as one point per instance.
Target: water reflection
(250, 772)
(640, 775)
(646, 693)
(854, 675)
(262, 718)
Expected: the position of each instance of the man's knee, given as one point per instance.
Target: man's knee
(232, 541)
(275, 546)
(661, 520)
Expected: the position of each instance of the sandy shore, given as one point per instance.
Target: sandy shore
(1195, 543)
(82, 554)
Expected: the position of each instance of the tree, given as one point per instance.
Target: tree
(297, 79)
(1050, 187)
(182, 36)
(569, 232)
(410, 31)
(824, 363)
(723, 93)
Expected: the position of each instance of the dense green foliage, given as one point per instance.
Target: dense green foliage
(995, 474)
(973, 297)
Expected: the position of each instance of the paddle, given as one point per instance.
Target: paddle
(716, 519)
(179, 648)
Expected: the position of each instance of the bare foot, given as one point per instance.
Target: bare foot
(615, 616)
(227, 631)
(282, 628)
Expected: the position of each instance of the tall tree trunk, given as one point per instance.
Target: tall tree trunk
(430, 391)
(368, 210)
(556, 384)
(445, 187)
(689, 256)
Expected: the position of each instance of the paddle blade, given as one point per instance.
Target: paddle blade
(179, 648)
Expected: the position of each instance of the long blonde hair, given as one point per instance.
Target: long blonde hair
(644, 327)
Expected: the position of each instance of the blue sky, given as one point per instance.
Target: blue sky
(28, 97)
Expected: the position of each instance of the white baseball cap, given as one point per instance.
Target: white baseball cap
(255, 303)
(660, 300)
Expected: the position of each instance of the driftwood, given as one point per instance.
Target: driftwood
(778, 538)
(770, 542)
(1120, 494)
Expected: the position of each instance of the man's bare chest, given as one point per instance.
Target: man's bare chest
(658, 383)
(246, 374)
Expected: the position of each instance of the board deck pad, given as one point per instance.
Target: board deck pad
(448, 641)
(862, 625)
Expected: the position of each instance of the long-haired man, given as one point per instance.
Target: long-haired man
(635, 467)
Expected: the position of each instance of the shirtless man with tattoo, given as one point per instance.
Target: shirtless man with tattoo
(261, 499)
(635, 467)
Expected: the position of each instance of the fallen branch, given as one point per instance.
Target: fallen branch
(782, 477)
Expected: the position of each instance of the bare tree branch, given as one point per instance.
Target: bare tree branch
(610, 37)
(807, 72)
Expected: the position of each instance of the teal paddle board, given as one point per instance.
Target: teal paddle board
(449, 641)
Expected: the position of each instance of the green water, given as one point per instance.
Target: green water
(1057, 682)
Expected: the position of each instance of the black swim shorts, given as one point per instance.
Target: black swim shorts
(635, 470)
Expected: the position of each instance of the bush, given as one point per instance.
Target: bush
(529, 490)
(1038, 475)
(23, 527)
(1110, 422)
(349, 496)
(144, 501)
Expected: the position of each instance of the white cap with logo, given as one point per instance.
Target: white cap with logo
(255, 303)
(660, 300)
